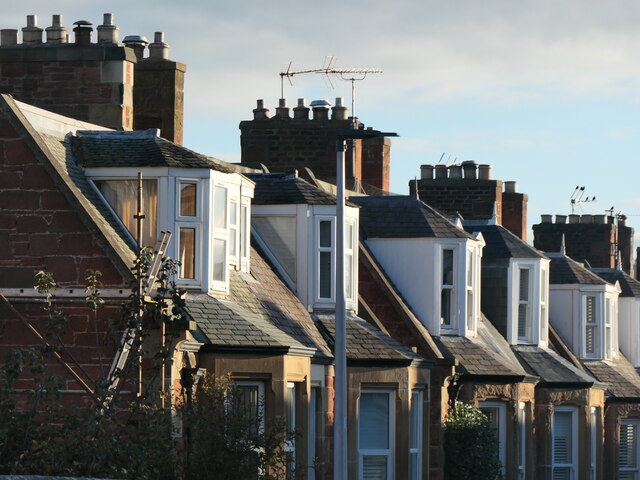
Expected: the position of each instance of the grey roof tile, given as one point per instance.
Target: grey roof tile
(549, 366)
(398, 216)
(630, 286)
(501, 243)
(564, 270)
(366, 342)
(288, 189)
(621, 378)
(138, 149)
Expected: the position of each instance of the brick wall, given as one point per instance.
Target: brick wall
(284, 143)
(93, 83)
(594, 242)
(473, 198)
(514, 213)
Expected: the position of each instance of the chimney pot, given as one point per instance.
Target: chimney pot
(301, 112)
(339, 111)
(469, 167)
(426, 172)
(137, 43)
(484, 172)
(8, 36)
(107, 32)
(320, 109)
(31, 34)
(282, 111)
(546, 218)
(56, 33)
(455, 171)
(158, 49)
(600, 219)
(561, 219)
(441, 171)
(260, 113)
(511, 187)
(83, 31)
(574, 218)
(586, 218)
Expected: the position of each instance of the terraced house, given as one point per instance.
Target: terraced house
(445, 299)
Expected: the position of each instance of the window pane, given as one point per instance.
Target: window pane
(187, 252)
(233, 212)
(562, 438)
(122, 196)
(470, 309)
(348, 276)
(187, 199)
(243, 231)
(590, 339)
(470, 269)
(628, 453)
(373, 423)
(220, 207)
(325, 274)
(447, 267)
(348, 236)
(374, 467)
(445, 307)
(523, 320)
(524, 284)
(279, 234)
(591, 309)
(249, 402)
(325, 233)
(416, 415)
(219, 259)
(233, 238)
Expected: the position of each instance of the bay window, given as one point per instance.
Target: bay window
(376, 426)
(565, 444)
(628, 466)
(524, 307)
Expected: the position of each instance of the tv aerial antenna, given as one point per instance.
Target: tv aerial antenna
(328, 70)
(578, 198)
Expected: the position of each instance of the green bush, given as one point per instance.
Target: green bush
(470, 445)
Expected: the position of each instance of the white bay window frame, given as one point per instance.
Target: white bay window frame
(322, 252)
(367, 452)
(220, 234)
(565, 442)
(189, 222)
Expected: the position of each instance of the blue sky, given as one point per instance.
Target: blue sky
(545, 91)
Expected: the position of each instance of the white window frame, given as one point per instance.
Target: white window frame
(574, 466)
(416, 432)
(244, 233)
(317, 250)
(594, 430)
(544, 305)
(452, 327)
(527, 303)
(501, 409)
(186, 282)
(597, 324)
(220, 233)
(290, 445)
(190, 221)
(522, 427)
(633, 470)
(350, 260)
(608, 327)
(234, 204)
(470, 298)
(390, 452)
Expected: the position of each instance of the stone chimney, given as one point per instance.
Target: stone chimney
(83, 31)
(31, 34)
(107, 32)
(56, 33)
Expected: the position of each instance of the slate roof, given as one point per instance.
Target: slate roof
(551, 367)
(226, 324)
(366, 343)
(263, 293)
(138, 149)
(501, 243)
(477, 357)
(564, 270)
(399, 216)
(619, 375)
(630, 286)
(288, 189)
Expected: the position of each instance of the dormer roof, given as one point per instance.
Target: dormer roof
(501, 243)
(399, 216)
(288, 189)
(629, 285)
(564, 270)
(95, 148)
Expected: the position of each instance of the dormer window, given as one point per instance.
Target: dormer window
(591, 327)
(447, 303)
(326, 262)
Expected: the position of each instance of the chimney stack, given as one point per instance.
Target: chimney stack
(31, 34)
(107, 32)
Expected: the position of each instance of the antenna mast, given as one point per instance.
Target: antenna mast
(577, 199)
(348, 74)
